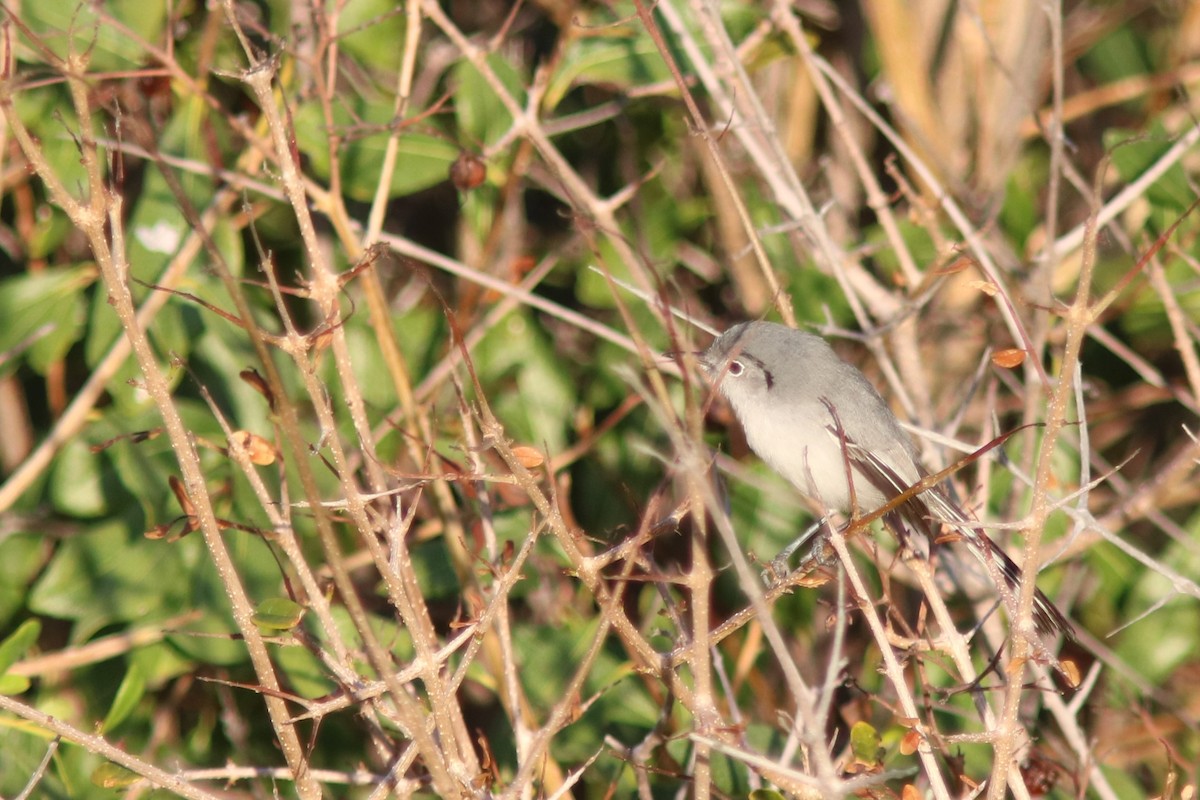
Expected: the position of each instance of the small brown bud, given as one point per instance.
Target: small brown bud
(258, 449)
(468, 171)
(529, 457)
(1009, 358)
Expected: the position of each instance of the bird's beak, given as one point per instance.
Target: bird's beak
(677, 355)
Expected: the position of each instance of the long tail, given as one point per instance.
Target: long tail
(927, 511)
(1046, 616)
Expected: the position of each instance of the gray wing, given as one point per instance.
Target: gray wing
(927, 511)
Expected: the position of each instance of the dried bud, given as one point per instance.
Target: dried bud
(1009, 358)
(1070, 673)
(468, 171)
(260, 385)
(257, 449)
(529, 457)
(987, 287)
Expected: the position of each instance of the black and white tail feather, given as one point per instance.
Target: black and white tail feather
(926, 511)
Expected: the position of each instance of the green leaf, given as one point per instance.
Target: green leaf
(156, 229)
(306, 675)
(77, 487)
(129, 694)
(865, 744)
(44, 311)
(619, 61)
(48, 233)
(1119, 54)
(113, 776)
(278, 614)
(482, 115)
(372, 31)
(540, 407)
(14, 684)
(1133, 152)
(21, 557)
(1146, 320)
(1021, 213)
(209, 641)
(916, 238)
(421, 160)
(104, 575)
(1168, 638)
(109, 46)
(434, 570)
(18, 643)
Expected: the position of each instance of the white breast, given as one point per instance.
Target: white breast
(800, 447)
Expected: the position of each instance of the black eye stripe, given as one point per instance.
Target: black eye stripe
(757, 362)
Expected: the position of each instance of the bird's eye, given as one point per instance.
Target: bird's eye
(736, 368)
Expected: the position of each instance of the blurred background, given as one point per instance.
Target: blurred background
(402, 276)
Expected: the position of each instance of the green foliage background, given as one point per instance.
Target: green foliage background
(133, 639)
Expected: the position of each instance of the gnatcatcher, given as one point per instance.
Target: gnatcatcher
(816, 419)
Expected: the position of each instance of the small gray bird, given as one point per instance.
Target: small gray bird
(814, 418)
